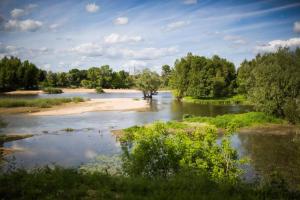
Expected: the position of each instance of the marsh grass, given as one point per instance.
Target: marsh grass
(40, 103)
(237, 99)
(239, 120)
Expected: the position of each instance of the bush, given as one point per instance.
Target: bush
(51, 90)
(291, 110)
(159, 152)
(99, 90)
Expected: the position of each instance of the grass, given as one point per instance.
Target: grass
(239, 120)
(9, 138)
(40, 103)
(68, 129)
(59, 183)
(51, 90)
(237, 99)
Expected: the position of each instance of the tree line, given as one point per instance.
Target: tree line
(15, 74)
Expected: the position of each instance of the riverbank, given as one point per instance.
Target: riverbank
(93, 105)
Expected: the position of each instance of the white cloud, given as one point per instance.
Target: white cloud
(275, 44)
(91, 7)
(15, 13)
(18, 12)
(297, 27)
(121, 21)
(95, 50)
(135, 63)
(88, 49)
(189, 2)
(23, 25)
(148, 53)
(176, 25)
(235, 39)
(116, 38)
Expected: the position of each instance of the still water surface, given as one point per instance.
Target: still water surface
(92, 135)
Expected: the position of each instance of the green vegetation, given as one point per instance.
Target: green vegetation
(99, 90)
(237, 99)
(51, 90)
(40, 103)
(61, 183)
(68, 129)
(201, 77)
(272, 81)
(94, 77)
(148, 82)
(8, 138)
(166, 73)
(237, 120)
(158, 151)
(15, 74)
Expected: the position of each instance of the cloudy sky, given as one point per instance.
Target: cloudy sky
(126, 34)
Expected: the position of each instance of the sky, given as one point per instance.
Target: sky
(59, 35)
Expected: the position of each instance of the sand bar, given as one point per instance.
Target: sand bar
(113, 104)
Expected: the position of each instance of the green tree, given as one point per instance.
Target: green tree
(165, 75)
(148, 82)
(272, 82)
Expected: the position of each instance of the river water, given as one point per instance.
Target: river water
(92, 136)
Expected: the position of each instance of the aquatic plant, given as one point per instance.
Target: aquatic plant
(237, 99)
(99, 90)
(51, 90)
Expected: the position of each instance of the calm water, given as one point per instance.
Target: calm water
(92, 135)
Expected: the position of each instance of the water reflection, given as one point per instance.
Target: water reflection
(92, 133)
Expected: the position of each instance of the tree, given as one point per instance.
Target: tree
(165, 75)
(148, 82)
(272, 82)
(201, 77)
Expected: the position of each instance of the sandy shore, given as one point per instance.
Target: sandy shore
(122, 104)
(76, 90)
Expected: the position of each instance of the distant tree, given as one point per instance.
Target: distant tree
(148, 82)
(95, 77)
(165, 75)
(106, 76)
(62, 79)
(51, 79)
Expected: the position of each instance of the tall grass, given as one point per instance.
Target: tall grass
(61, 183)
(40, 103)
(237, 99)
(239, 120)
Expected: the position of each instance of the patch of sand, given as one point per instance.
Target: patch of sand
(25, 92)
(114, 104)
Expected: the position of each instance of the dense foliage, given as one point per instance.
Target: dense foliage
(94, 77)
(15, 74)
(148, 82)
(202, 77)
(162, 151)
(272, 82)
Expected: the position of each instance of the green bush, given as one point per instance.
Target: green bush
(291, 110)
(51, 90)
(99, 90)
(158, 152)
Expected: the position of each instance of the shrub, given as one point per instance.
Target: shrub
(291, 110)
(158, 152)
(99, 90)
(51, 90)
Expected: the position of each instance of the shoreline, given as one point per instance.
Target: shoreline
(94, 105)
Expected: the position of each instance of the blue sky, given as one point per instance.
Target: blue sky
(59, 35)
